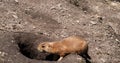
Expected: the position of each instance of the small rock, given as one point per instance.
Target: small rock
(16, 1)
(53, 8)
(103, 60)
(3, 54)
(77, 21)
(12, 41)
(79, 58)
(15, 16)
(117, 40)
(92, 22)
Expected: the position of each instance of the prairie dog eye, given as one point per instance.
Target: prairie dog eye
(43, 46)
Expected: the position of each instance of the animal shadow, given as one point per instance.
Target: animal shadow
(86, 57)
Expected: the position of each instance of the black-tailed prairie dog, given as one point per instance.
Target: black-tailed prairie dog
(72, 44)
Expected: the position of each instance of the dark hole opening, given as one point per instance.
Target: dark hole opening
(28, 47)
(36, 54)
(52, 57)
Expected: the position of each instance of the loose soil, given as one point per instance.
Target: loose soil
(25, 23)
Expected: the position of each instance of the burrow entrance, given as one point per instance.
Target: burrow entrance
(27, 43)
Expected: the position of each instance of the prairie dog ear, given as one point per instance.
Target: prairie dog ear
(50, 45)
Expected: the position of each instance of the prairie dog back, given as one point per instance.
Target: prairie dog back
(74, 44)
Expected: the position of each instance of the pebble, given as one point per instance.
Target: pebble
(15, 16)
(103, 60)
(117, 40)
(92, 22)
(77, 21)
(16, 1)
(2, 54)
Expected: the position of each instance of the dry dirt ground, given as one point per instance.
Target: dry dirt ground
(25, 23)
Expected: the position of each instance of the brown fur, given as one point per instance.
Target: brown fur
(73, 44)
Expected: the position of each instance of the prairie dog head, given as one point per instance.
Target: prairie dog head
(45, 47)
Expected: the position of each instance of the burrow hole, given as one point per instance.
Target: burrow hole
(27, 46)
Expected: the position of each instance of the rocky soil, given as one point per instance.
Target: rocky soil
(25, 23)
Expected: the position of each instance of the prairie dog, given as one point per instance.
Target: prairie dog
(72, 44)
